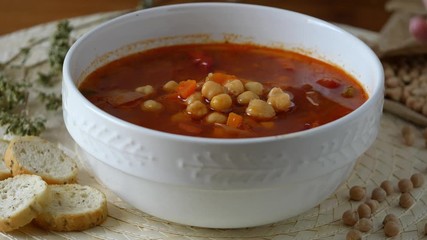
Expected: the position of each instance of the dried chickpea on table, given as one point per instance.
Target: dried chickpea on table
(403, 46)
(406, 92)
(406, 88)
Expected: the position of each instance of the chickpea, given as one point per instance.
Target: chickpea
(378, 194)
(151, 106)
(196, 96)
(391, 229)
(235, 87)
(388, 71)
(260, 109)
(357, 193)
(390, 218)
(210, 89)
(406, 130)
(394, 93)
(275, 91)
(364, 211)
(406, 201)
(245, 97)
(408, 135)
(350, 218)
(221, 102)
(197, 109)
(280, 102)
(170, 86)
(147, 90)
(364, 225)
(216, 117)
(417, 180)
(392, 82)
(405, 185)
(373, 204)
(353, 234)
(387, 186)
(255, 87)
(209, 77)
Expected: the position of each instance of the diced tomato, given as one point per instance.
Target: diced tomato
(201, 59)
(328, 83)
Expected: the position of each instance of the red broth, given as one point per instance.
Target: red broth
(319, 92)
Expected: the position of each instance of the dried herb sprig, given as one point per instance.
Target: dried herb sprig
(60, 44)
(47, 79)
(14, 96)
(20, 124)
(52, 101)
(14, 93)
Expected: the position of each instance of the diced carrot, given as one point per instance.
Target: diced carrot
(186, 88)
(221, 78)
(190, 128)
(234, 120)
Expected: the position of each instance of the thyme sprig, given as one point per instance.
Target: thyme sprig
(47, 79)
(15, 92)
(12, 95)
(52, 101)
(60, 45)
(21, 124)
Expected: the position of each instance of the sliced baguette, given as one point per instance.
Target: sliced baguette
(22, 198)
(4, 171)
(73, 207)
(33, 155)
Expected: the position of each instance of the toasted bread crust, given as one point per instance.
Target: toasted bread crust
(4, 171)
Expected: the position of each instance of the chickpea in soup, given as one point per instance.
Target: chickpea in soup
(223, 90)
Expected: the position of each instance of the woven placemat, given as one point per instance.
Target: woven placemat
(388, 159)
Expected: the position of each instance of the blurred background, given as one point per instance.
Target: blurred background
(19, 14)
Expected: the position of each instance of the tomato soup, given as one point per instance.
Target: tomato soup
(223, 90)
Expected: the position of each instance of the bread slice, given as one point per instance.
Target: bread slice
(33, 155)
(22, 198)
(4, 171)
(73, 207)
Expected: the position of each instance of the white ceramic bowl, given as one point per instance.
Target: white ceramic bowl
(221, 183)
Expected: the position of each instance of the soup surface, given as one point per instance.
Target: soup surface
(223, 90)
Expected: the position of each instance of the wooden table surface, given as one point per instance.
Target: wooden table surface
(18, 14)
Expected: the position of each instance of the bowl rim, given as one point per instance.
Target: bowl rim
(376, 92)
